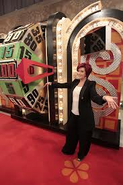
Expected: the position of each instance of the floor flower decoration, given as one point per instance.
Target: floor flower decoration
(75, 170)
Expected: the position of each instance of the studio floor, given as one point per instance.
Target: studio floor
(32, 156)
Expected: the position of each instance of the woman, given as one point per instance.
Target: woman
(81, 120)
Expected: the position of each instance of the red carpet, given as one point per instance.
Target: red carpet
(32, 156)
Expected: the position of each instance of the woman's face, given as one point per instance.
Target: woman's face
(81, 73)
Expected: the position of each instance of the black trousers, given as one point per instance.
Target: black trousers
(76, 134)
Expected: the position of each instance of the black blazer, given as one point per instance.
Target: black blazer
(87, 93)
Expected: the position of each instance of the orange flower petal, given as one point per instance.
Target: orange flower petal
(67, 171)
(74, 177)
(76, 162)
(83, 166)
(68, 164)
(83, 174)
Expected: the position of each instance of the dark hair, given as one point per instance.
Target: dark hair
(88, 68)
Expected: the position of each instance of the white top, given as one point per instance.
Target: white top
(75, 105)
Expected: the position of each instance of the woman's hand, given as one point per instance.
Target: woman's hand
(47, 84)
(111, 101)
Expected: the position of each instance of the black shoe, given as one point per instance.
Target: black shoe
(66, 152)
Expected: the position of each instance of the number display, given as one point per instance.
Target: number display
(15, 36)
(7, 70)
(19, 102)
(93, 42)
(35, 34)
(42, 104)
(6, 52)
(36, 31)
(10, 88)
(32, 96)
(25, 87)
(30, 42)
(99, 45)
(13, 101)
(24, 53)
(2, 52)
(8, 38)
(3, 70)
